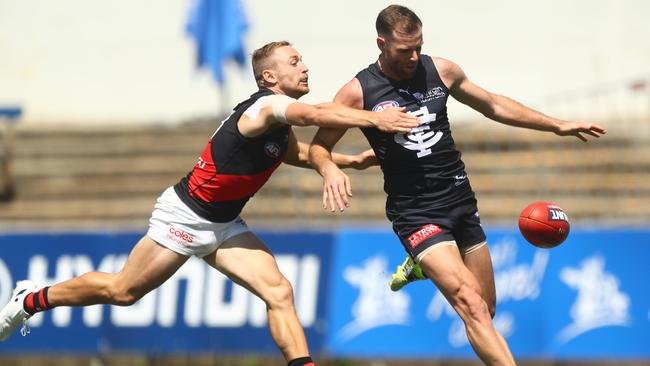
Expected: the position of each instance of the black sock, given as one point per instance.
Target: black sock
(302, 361)
(36, 301)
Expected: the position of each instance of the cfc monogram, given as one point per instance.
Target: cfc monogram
(421, 138)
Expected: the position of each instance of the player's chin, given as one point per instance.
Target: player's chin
(407, 73)
(303, 88)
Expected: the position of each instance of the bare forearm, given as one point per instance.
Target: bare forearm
(301, 160)
(298, 154)
(343, 161)
(338, 116)
(513, 113)
(321, 158)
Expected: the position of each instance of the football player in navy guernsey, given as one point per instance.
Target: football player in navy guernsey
(200, 214)
(430, 203)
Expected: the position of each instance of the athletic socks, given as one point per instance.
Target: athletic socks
(36, 301)
(302, 361)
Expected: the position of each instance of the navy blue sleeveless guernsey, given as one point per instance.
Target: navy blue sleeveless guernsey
(232, 167)
(424, 162)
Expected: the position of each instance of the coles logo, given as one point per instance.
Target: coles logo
(383, 105)
(180, 236)
(272, 149)
(425, 231)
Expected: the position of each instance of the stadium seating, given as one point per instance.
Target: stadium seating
(109, 177)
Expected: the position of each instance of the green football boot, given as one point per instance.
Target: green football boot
(408, 272)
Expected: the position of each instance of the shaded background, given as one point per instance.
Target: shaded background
(132, 61)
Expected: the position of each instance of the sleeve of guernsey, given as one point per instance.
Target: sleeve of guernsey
(279, 104)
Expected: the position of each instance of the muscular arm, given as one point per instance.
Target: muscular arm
(332, 115)
(337, 115)
(336, 185)
(320, 151)
(505, 110)
(298, 155)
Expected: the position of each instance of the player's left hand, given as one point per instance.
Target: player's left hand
(364, 160)
(336, 190)
(580, 130)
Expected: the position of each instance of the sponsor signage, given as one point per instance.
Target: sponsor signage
(198, 309)
(585, 299)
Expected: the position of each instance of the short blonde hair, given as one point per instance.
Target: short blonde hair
(262, 59)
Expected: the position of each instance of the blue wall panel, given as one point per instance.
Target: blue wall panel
(587, 298)
(196, 310)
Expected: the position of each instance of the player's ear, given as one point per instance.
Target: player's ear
(270, 77)
(381, 43)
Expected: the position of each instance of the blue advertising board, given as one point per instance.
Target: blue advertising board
(198, 309)
(587, 298)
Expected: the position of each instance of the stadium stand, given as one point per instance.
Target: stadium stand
(109, 177)
(8, 117)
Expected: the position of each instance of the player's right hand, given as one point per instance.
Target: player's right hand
(336, 190)
(364, 160)
(580, 130)
(395, 120)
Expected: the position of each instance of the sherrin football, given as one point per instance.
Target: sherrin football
(544, 224)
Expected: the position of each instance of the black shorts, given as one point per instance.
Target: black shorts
(420, 223)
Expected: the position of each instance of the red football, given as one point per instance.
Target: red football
(544, 224)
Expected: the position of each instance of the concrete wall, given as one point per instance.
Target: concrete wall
(126, 61)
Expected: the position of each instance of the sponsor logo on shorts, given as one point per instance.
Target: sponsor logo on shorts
(425, 232)
(180, 236)
(383, 105)
(272, 149)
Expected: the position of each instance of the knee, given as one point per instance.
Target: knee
(121, 296)
(279, 294)
(472, 304)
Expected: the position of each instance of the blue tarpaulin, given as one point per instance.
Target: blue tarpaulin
(217, 27)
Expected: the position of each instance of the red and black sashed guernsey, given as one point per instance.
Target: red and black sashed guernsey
(232, 167)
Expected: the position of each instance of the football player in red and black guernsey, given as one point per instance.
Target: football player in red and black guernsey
(200, 215)
(430, 201)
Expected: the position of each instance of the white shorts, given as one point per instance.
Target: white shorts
(177, 227)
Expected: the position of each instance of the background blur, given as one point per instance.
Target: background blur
(102, 106)
(94, 62)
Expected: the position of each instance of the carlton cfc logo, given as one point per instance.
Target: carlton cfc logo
(383, 105)
(272, 149)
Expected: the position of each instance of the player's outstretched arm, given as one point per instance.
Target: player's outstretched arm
(334, 115)
(281, 109)
(337, 189)
(336, 185)
(298, 155)
(507, 111)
